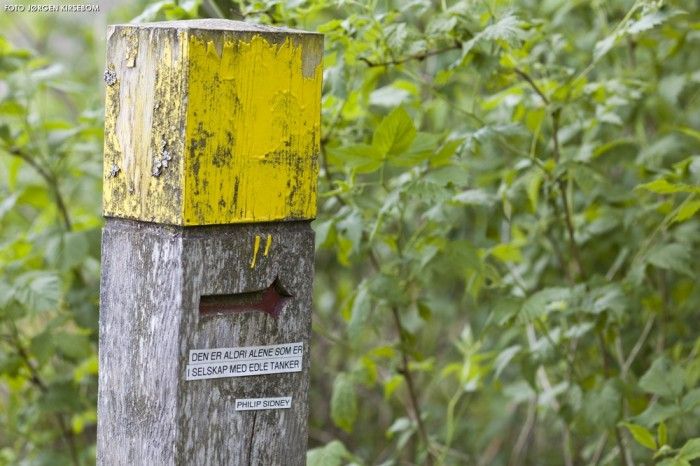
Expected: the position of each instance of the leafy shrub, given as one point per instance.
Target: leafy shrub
(507, 237)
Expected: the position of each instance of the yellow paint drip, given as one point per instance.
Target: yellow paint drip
(267, 245)
(256, 248)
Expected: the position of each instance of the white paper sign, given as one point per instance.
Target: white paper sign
(244, 361)
(253, 404)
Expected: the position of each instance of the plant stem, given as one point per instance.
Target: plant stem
(52, 182)
(532, 84)
(522, 444)
(417, 56)
(36, 380)
(575, 255)
(405, 371)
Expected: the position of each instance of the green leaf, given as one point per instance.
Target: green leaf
(344, 402)
(662, 186)
(350, 228)
(323, 230)
(361, 157)
(663, 379)
(507, 252)
(508, 29)
(691, 450)
(86, 368)
(504, 358)
(389, 96)
(167, 8)
(650, 21)
(662, 434)
(441, 24)
(605, 45)
(42, 346)
(424, 311)
(532, 187)
(7, 204)
(641, 435)
(67, 250)
(422, 149)
(657, 412)
(80, 420)
(602, 406)
(586, 178)
(60, 396)
(72, 346)
(446, 152)
(674, 256)
(10, 364)
(391, 385)
(331, 454)
(673, 462)
(695, 134)
(361, 307)
(38, 291)
(686, 211)
(670, 87)
(478, 197)
(691, 400)
(607, 298)
(543, 302)
(402, 424)
(6, 294)
(395, 133)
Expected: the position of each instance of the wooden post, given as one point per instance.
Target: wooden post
(210, 168)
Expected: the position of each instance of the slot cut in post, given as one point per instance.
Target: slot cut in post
(271, 301)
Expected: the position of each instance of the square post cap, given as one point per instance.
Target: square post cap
(211, 122)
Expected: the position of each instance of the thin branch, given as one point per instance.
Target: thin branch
(532, 84)
(324, 154)
(556, 116)
(52, 182)
(522, 444)
(36, 380)
(492, 450)
(417, 56)
(566, 446)
(558, 251)
(573, 247)
(625, 455)
(599, 449)
(405, 371)
(638, 346)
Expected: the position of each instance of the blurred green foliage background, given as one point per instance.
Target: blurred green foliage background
(508, 236)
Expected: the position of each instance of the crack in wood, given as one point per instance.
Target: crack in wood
(250, 442)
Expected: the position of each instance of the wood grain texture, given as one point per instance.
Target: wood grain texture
(152, 280)
(211, 122)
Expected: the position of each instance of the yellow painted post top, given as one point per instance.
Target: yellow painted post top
(211, 122)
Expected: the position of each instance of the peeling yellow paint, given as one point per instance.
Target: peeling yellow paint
(252, 132)
(256, 248)
(236, 112)
(140, 111)
(267, 245)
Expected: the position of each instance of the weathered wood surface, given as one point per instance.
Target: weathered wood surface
(152, 279)
(211, 122)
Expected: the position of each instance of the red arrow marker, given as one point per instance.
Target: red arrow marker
(271, 301)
